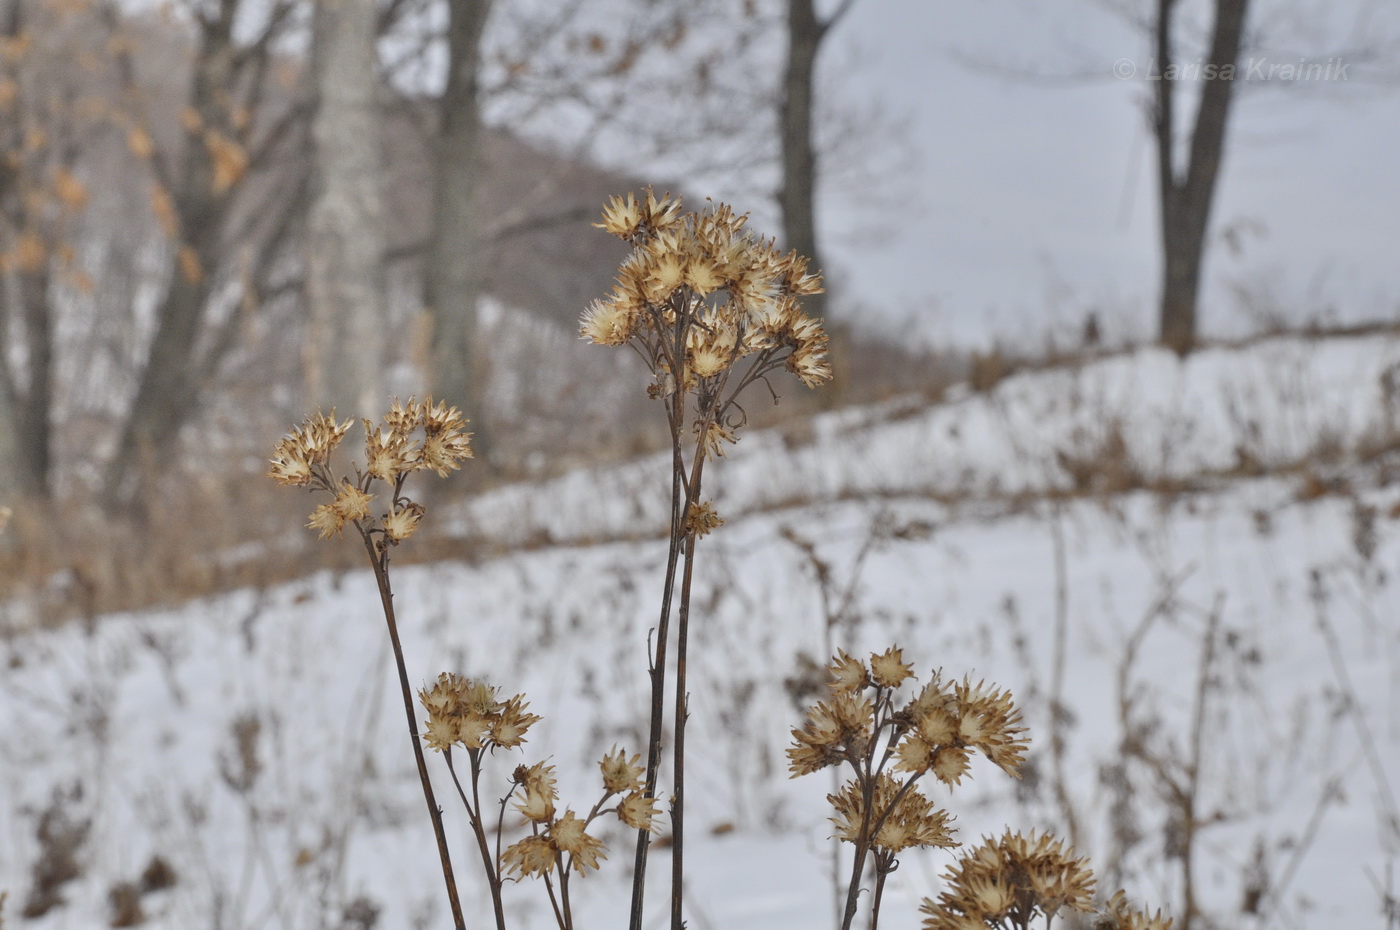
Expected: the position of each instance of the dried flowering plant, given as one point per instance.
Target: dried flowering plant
(1008, 882)
(711, 309)
(468, 715)
(889, 744)
(413, 436)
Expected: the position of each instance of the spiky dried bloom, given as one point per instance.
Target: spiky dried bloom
(713, 439)
(1010, 881)
(534, 855)
(935, 731)
(620, 774)
(413, 436)
(537, 781)
(900, 816)
(848, 674)
(943, 725)
(388, 452)
(834, 731)
(1119, 914)
(631, 219)
(466, 713)
(888, 669)
(402, 522)
(300, 451)
(988, 721)
(637, 811)
(570, 835)
(708, 305)
(701, 519)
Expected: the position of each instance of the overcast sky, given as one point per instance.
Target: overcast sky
(1027, 202)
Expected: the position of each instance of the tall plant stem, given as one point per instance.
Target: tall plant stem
(386, 597)
(692, 495)
(678, 742)
(473, 806)
(658, 666)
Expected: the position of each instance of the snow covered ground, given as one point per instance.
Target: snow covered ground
(1234, 643)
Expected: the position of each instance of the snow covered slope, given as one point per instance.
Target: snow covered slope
(1235, 645)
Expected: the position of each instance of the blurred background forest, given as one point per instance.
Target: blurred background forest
(215, 216)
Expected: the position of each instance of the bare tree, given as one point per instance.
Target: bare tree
(452, 277)
(1187, 191)
(224, 232)
(797, 196)
(42, 137)
(345, 243)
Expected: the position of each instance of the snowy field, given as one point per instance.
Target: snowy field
(1226, 644)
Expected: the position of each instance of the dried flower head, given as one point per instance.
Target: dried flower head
(834, 731)
(700, 298)
(400, 524)
(637, 811)
(888, 669)
(311, 444)
(1119, 914)
(534, 855)
(848, 674)
(701, 519)
(466, 713)
(621, 774)
(412, 436)
(537, 781)
(1011, 880)
(899, 817)
(569, 835)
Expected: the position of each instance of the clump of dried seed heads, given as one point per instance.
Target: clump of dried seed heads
(413, 436)
(1010, 881)
(889, 744)
(711, 309)
(698, 294)
(467, 714)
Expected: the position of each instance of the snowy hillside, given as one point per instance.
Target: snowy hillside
(1219, 637)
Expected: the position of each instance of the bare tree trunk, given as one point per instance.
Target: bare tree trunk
(797, 198)
(225, 109)
(1186, 196)
(26, 409)
(452, 278)
(345, 280)
(26, 401)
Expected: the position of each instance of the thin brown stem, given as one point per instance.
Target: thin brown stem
(881, 872)
(658, 666)
(554, 901)
(678, 740)
(380, 562)
(488, 864)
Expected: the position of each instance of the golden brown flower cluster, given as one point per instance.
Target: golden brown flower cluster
(413, 436)
(936, 731)
(1118, 914)
(563, 842)
(1008, 882)
(890, 744)
(467, 713)
(905, 817)
(698, 293)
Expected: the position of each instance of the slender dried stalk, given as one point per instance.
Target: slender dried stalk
(473, 806)
(658, 663)
(380, 561)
